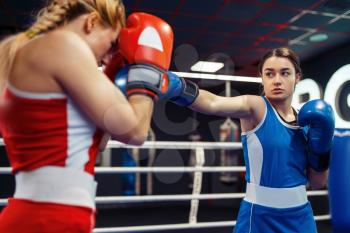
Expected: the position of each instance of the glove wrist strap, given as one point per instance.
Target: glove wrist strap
(319, 162)
(188, 95)
(145, 80)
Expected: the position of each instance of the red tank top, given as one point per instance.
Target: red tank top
(47, 129)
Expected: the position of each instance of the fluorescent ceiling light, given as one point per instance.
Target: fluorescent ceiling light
(319, 37)
(206, 66)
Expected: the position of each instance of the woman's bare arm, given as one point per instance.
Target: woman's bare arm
(74, 67)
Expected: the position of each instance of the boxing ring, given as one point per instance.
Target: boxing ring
(195, 197)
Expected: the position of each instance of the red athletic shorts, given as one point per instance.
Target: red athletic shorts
(22, 216)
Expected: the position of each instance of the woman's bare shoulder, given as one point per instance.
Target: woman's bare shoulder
(63, 41)
(58, 49)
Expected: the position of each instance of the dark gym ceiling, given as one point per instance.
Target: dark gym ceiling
(237, 32)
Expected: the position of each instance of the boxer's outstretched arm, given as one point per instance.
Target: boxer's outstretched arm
(243, 106)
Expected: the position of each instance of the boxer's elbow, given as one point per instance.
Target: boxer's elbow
(135, 137)
(138, 138)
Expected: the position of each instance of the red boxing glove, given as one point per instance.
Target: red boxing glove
(146, 43)
(147, 39)
(115, 63)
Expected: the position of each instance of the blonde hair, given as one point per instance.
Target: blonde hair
(55, 14)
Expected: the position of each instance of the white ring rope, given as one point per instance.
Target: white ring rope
(180, 226)
(172, 145)
(194, 197)
(164, 227)
(179, 145)
(177, 197)
(118, 170)
(219, 77)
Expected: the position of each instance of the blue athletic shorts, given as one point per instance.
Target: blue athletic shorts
(253, 218)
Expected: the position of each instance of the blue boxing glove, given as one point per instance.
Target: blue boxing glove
(317, 118)
(180, 91)
(121, 79)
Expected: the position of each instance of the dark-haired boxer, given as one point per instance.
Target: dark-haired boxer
(283, 150)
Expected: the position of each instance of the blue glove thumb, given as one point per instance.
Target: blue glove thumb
(180, 91)
(121, 79)
(175, 87)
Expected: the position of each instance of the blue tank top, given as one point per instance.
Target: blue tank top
(275, 152)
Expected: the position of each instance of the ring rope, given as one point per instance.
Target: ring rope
(219, 77)
(181, 226)
(177, 197)
(171, 145)
(117, 170)
(178, 145)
